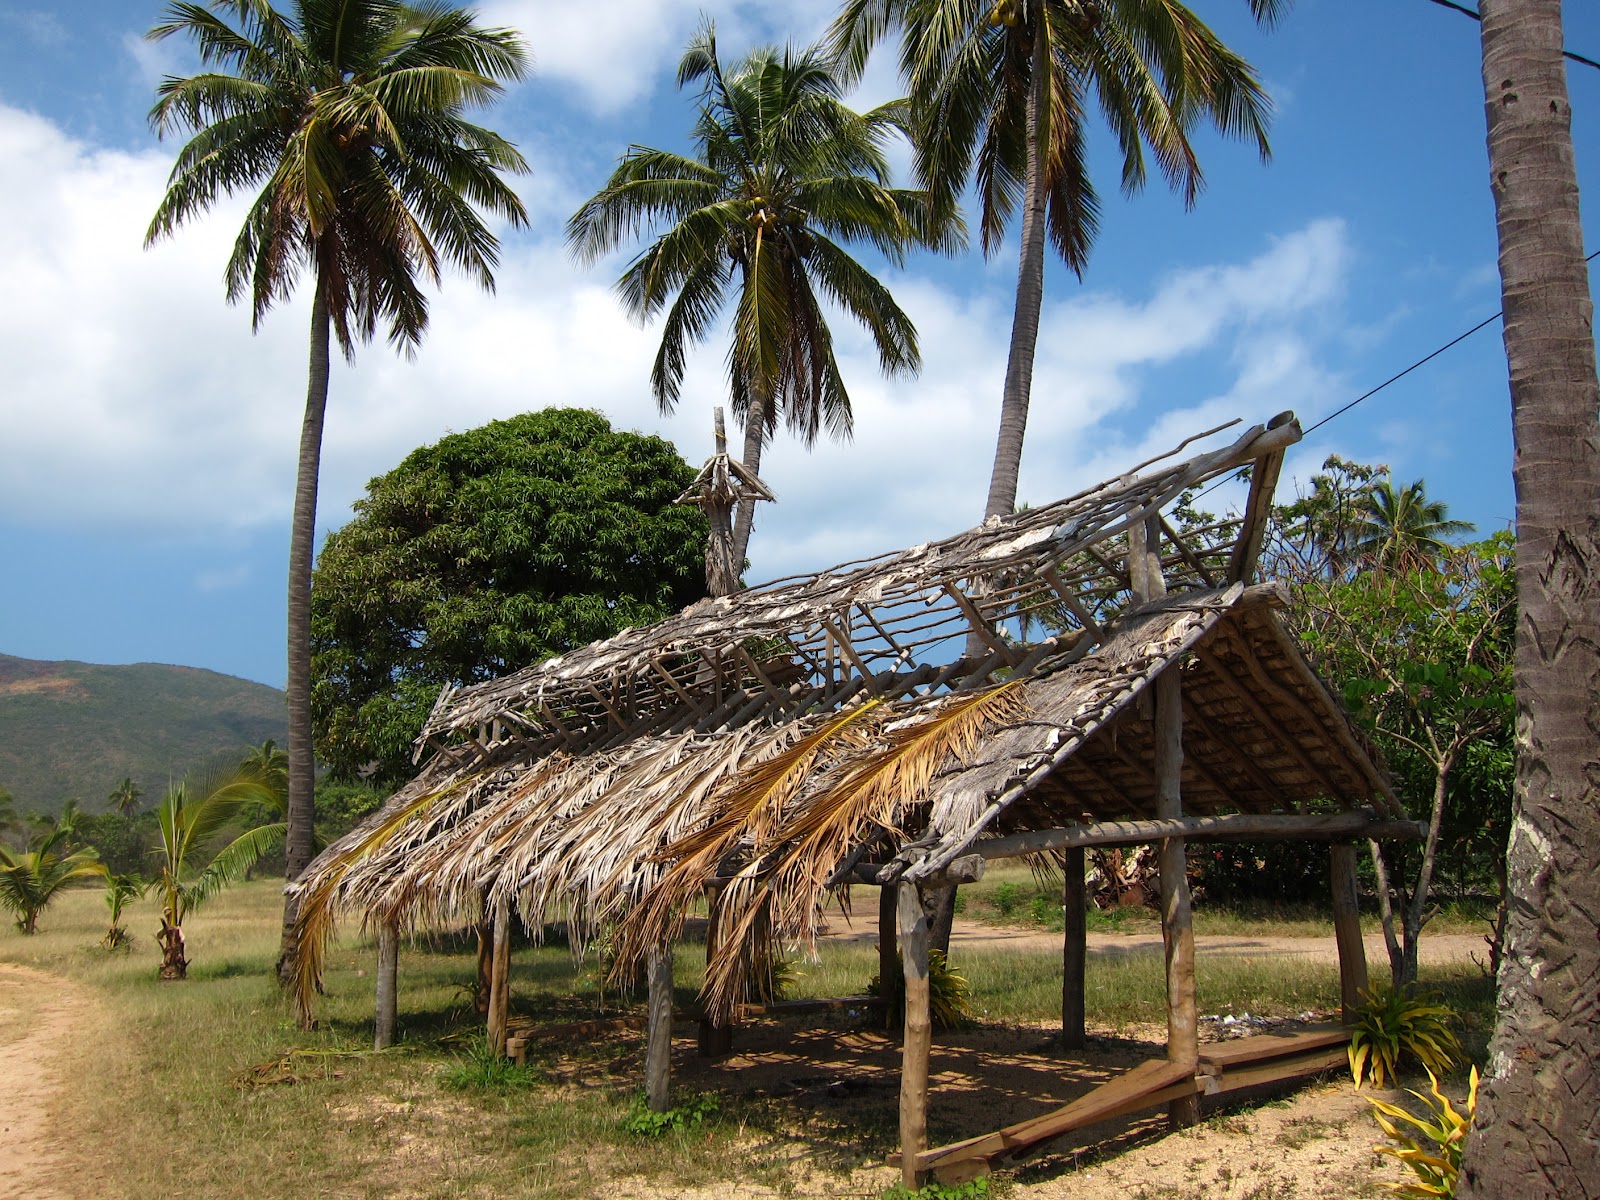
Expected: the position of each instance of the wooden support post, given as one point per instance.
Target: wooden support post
(500, 978)
(888, 947)
(1177, 919)
(387, 984)
(1347, 928)
(716, 1039)
(1074, 951)
(918, 1039)
(658, 1045)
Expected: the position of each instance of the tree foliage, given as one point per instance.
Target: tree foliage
(486, 552)
(30, 880)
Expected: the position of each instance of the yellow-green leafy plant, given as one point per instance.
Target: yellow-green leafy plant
(1435, 1162)
(949, 995)
(1393, 1022)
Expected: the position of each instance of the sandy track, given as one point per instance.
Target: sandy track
(1434, 948)
(39, 1014)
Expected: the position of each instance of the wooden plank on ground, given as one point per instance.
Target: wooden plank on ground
(1313, 1062)
(1133, 1086)
(1263, 1046)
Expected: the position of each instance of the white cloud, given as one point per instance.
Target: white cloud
(136, 400)
(616, 55)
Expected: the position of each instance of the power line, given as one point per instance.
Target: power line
(1451, 344)
(1468, 12)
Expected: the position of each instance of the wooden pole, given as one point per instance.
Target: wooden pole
(716, 1039)
(658, 1046)
(1177, 918)
(918, 1039)
(387, 985)
(888, 947)
(1074, 951)
(500, 978)
(1347, 928)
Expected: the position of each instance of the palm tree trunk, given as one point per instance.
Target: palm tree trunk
(300, 811)
(1535, 1130)
(755, 437)
(1030, 298)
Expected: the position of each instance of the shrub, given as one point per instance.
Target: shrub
(1437, 1166)
(481, 1068)
(1391, 1022)
(1008, 897)
(646, 1122)
(949, 995)
(972, 1189)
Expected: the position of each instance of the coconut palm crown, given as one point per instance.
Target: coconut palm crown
(1397, 526)
(783, 172)
(1000, 94)
(347, 120)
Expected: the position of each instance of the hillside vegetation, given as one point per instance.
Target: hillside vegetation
(72, 730)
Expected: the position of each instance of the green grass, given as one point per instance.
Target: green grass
(159, 1094)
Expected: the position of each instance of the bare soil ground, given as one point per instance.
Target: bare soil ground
(39, 1015)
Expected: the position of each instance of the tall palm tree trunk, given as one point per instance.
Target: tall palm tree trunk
(1537, 1132)
(1030, 298)
(300, 812)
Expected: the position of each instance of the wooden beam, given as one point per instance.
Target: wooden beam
(918, 1039)
(1264, 827)
(847, 647)
(386, 985)
(500, 978)
(1257, 510)
(888, 945)
(1187, 554)
(658, 1045)
(1074, 950)
(981, 627)
(1074, 605)
(1266, 719)
(1347, 929)
(689, 701)
(1177, 918)
(1193, 715)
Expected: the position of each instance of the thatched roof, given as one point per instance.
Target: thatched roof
(612, 784)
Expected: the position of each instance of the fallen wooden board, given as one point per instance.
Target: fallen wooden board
(1135, 1088)
(1259, 1047)
(1312, 1062)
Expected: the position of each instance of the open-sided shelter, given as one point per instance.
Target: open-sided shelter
(1089, 672)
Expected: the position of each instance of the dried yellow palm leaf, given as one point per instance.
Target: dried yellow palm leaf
(787, 878)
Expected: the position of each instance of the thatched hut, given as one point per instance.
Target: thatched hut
(1083, 673)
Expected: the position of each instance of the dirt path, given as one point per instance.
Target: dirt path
(1434, 948)
(39, 1013)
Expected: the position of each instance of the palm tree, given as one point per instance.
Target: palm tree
(783, 172)
(1534, 1131)
(270, 764)
(30, 880)
(1396, 527)
(191, 821)
(345, 117)
(125, 799)
(1000, 91)
(119, 890)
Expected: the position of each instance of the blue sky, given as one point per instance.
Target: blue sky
(147, 438)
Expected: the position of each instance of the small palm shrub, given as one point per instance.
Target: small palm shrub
(1435, 1162)
(119, 890)
(949, 995)
(1394, 1022)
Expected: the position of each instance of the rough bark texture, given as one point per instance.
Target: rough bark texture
(1030, 295)
(658, 1044)
(387, 986)
(298, 847)
(1347, 929)
(918, 1039)
(1538, 1127)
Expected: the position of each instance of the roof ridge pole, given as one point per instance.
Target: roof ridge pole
(1177, 916)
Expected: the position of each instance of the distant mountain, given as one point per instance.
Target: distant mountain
(71, 730)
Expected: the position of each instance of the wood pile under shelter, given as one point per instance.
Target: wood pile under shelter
(1086, 673)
